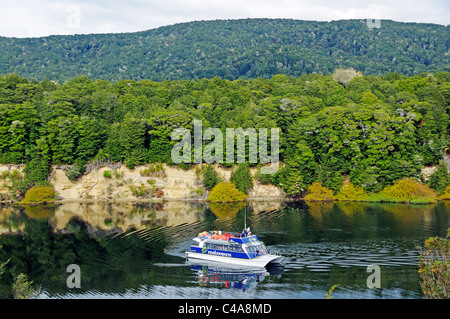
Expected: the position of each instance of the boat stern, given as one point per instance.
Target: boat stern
(269, 259)
(276, 260)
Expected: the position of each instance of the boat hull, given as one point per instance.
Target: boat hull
(259, 262)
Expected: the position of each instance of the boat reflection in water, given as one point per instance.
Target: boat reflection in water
(215, 274)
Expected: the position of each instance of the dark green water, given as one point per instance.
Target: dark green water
(137, 251)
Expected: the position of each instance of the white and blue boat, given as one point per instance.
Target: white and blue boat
(243, 249)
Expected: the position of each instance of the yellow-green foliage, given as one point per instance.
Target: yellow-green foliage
(226, 210)
(350, 192)
(154, 170)
(407, 190)
(39, 194)
(226, 192)
(318, 192)
(446, 194)
(40, 211)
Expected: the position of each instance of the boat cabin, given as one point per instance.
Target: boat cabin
(229, 245)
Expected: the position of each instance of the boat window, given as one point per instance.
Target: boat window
(260, 247)
(234, 248)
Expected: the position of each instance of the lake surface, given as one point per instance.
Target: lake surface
(129, 250)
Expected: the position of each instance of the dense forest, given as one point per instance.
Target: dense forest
(232, 49)
(372, 129)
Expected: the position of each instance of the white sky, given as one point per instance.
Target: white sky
(33, 18)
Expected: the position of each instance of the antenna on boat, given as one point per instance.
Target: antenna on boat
(245, 217)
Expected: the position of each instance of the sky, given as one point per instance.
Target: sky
(35, 18)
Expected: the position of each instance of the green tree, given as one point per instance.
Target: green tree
(300, 161)
(35, 172)
(440, 179)
(210, 177)
(161, 126)
(242, 178)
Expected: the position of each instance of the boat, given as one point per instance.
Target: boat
(243, 249)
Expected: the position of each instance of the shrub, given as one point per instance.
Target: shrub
(242, 178)
(139, 191)
(154, 170)
(317, 192)
(77, 170)
(434, 267)
(5, 174)
(350, 192)
(226, 192)
(130, 164)
(145, 192)
(407, 190)
(39, 194)
(107, 174)
(23, 289)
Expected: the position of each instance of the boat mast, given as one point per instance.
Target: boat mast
(245, 217)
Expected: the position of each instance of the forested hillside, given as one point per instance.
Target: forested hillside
(232, 49)
(373, 129)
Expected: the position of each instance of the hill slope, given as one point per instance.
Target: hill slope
(232, 49)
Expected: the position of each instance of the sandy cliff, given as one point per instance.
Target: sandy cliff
(176, 184)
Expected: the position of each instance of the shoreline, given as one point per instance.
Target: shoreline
(193, 200)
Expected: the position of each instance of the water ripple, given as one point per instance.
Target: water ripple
(320, 256)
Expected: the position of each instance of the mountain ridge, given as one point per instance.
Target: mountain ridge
(232, 49)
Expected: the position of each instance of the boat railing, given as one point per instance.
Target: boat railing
(223, 235)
